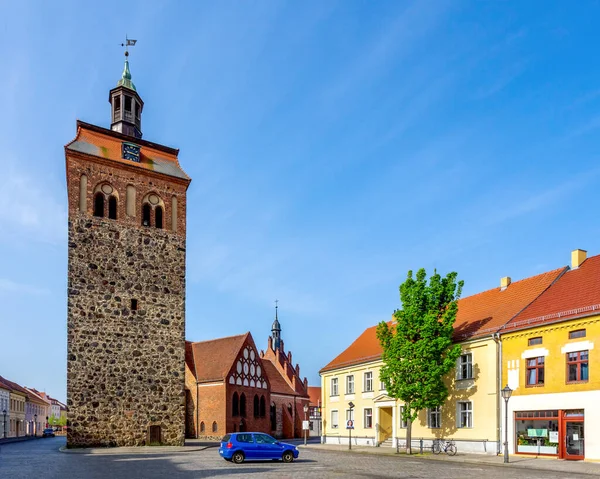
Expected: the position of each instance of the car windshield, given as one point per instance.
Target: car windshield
(226, 438)
(264, 439)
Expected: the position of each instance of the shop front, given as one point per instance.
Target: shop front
(558, 433)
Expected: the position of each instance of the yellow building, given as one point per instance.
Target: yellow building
(550, 362)
(470, 416)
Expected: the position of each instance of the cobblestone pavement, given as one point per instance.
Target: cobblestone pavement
(41, 458)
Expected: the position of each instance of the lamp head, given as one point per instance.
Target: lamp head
(506, 392)
(350, 404)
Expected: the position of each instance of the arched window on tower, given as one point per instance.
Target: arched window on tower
(235, 405)
(263, 407)
(256, 406)
(158, 217)
(146, 215)
(273, 417)
(243, 405)
(112, 207)
(99, 205)
(202, 427)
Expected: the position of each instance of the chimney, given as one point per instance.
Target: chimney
(578, 256)
(504, 282)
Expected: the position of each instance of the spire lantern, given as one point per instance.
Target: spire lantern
(126, 103)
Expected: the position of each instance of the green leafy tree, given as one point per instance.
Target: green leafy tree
(53, 420)
(417, 347)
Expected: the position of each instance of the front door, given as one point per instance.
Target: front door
(574, 440)
(385, 424)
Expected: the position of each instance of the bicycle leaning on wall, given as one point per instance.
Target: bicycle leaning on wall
(446, 446)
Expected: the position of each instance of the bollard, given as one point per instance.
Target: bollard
(421, 446)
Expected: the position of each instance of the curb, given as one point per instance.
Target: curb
(465, 460)
(116, 451)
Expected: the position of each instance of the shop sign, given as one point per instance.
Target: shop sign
(537, 432)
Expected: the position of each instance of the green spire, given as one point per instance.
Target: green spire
(126, 77)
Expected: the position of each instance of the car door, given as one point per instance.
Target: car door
(247, 444)
(268, 447)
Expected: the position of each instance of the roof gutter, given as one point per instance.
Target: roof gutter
(498, 341)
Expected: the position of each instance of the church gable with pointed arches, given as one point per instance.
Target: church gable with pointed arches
(230, 387)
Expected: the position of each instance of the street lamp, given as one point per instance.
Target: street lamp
(350, 425)
(506, 394)
(35, 424)
(4, 412)
(305, 421)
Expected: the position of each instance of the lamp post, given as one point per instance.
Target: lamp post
(4, 423)
(35, 424)
(305, 422)
(350, 425)
(506, 394)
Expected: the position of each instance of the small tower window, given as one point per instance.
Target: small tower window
(118, 104)
(158, 217)
(137, 109)
(146, 215)
(99, 205)
(112, 208)
(134, 305)
(127, 103)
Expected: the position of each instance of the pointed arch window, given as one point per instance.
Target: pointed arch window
(146, 214)
(99, 205)
(235, 405)
(273, 417)
(202, 427)
(158, 217)
(215, 428)
(243, 405)
(256, 406)
(262, 407)
(112, 207)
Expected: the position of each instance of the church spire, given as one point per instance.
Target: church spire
(276, 329)
(127, 105)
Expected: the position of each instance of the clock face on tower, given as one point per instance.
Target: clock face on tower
(131, 152)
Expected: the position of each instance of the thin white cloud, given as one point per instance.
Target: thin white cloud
(8, 286)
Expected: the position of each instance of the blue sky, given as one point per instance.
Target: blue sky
(333, 146)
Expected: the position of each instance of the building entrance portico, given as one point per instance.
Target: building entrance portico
(385, 420)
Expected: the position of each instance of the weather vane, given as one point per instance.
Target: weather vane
(128, 43)
(276, 301)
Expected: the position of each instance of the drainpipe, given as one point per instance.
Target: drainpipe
(498, 341)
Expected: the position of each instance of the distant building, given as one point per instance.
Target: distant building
(314, 415)
(4, 409)
(36, 412)
(16, 409)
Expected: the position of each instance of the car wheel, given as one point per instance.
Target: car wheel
(238, 457)
(288, 456)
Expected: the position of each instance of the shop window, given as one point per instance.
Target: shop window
(535, 371)
(577, 367)
(580, 333)
(536, 432)
(534, 341)
(368, 418)
(350, 384)
(465, 367)
(368, 381)
(434, 417)
(334, 387)
(465, 414)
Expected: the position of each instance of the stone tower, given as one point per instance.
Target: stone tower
(276, 331)
(126, 282)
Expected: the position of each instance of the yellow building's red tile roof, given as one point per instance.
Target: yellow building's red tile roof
(478, 315)
(575, 294)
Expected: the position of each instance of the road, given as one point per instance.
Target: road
(42, 458)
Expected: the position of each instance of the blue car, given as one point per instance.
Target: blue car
(239, 446)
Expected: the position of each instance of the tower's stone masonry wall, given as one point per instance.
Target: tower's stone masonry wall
(125, 369)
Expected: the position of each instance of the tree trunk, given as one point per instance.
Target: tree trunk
(408, 436)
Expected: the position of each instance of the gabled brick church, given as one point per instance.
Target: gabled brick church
(231, 387)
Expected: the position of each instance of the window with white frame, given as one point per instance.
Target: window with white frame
(403, 422)
(368, 418)
(368, 381)
(464, 368)
(465, 414)
(434, 417)
(382, 386)
(350, 384)
(334, 419)
(334, 386)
